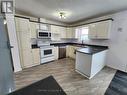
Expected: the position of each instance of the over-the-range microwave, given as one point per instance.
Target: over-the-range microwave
(43, 33)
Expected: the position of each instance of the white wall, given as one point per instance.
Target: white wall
(117, 53)
(13, 42)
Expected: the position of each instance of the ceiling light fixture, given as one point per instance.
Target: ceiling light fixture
(62, 15)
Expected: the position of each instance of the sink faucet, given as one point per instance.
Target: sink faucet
(82, 41)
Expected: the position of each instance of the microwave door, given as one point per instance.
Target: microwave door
(43, 35)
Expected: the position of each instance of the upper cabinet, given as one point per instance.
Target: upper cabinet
(58, 32)
(63, 32)
(55, 29)
(70, 32)
(22, 25)
(44, 27)
(100, 30)
(92, 34)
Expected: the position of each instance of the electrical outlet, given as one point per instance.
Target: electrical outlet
(120, 29)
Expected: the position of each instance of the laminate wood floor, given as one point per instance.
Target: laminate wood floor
(64, 73)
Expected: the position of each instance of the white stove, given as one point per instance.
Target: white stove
(46, 51)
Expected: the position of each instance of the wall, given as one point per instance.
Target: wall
(13, 42)
(117, 53)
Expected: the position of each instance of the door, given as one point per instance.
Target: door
(6, 72)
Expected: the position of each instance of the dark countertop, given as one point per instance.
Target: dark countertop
(91, 50)
(78, 45)
(34, 46)
(85, 48)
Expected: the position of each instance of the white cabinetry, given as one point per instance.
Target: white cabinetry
(33, 27)
(71, 51)
(55, 29)
(100, 30)
(62, 32)
(44, 27)
(24, 42)
(90, 64)
(70, 32)
(36, 56)
(56, 53)
(92, 31)
(22, 25)
(55, 33)
(58, 32)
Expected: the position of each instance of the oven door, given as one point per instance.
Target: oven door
(47, 52)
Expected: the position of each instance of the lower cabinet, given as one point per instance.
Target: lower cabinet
(89, 65)
(56, 52)
(27, 58)
(71, 51)
(36, 56)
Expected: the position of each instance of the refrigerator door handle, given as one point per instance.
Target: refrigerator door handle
(9, 46)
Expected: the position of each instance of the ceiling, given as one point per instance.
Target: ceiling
(76, 10)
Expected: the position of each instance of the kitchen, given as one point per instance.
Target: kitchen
(83, 56)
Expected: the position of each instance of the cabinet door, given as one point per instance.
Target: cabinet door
(22, 25)
(36, 56)
(56, 53)
(70, 52)
(55, 29)
(70, 33)
(27, 58)
(25, 50)
(103, 29)
(55, 33)
(25, 40)
(83, 63)
(44, 27)
(33, 27)
(92, 31)
(62, 32)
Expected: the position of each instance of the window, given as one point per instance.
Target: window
(82, 33)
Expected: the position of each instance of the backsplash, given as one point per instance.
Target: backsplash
(96, 42)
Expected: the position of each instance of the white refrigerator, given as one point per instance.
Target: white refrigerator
(6, 70)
